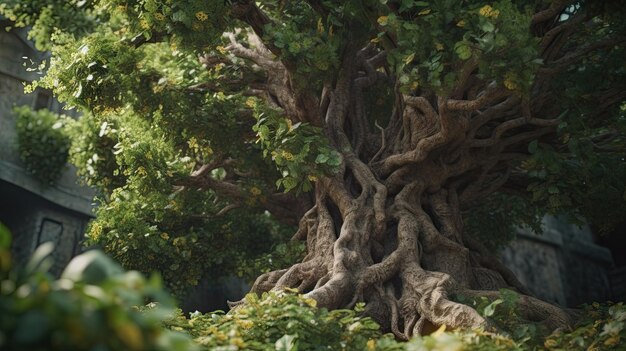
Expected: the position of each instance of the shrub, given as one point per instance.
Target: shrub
(288, 321)
(601, 328)
(282, 321)
(89, 308)
(43, 144)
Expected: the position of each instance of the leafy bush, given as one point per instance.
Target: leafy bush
(89, 308)
(43, 144)
(601, 328)
(282, 321)
(288, 321)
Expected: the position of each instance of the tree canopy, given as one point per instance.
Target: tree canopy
(403, 138)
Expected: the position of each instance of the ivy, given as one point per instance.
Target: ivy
(43, 143)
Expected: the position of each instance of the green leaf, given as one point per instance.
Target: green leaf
(5, 237)
(287, 343)
(321, 158)
(40, 260)
(463, 50)
(532, 146)
(487, 26)
(289, 183)
(491, 308)
(91, 267)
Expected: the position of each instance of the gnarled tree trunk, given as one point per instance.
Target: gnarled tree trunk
(387, 230)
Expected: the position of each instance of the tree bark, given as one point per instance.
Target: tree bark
(387, 229)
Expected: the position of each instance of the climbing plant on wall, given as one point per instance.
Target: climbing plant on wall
(43, 142)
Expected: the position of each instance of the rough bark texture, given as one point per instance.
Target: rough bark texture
(387, 230)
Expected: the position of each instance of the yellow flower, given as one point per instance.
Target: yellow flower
(144, 24)
(371, 344)
(439, 46)
(245, 324)
(141, 171)
(382, 20)
(165, 236)
(550, 343)
(489, 12)
(509, 81)
(251, 102)
(255, 191)
(509, 84)
(287, 155)
(196, 26)
(96, 230)
(460, 24)
(201, 16)
(312, 178)
(159, 16)
(193, 143)
(222, 50)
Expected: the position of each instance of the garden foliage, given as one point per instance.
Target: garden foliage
(91, 306)
(95, 305)
(43, 144)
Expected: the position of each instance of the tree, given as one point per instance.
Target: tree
(388, 124)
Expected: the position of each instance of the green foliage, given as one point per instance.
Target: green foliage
(299, 151)
(93, 152)
(455, 35)
(602, 328)
(282, 321)
(496, 218)
(5, 246)
(91, 307)
(306, 40)
(504, 314)
(43, 143)
(174, 235)
(583, 173)
(193, 24)
(282, 255)
(288, 321)
(45, 16)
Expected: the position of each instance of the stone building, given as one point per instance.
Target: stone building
(34, 212)
(563, 264)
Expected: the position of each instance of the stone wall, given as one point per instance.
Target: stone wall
(34, 220)
(561, 265)
(34, 212)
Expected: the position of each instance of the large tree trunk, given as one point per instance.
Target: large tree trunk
(403, 255)
(387, 230)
